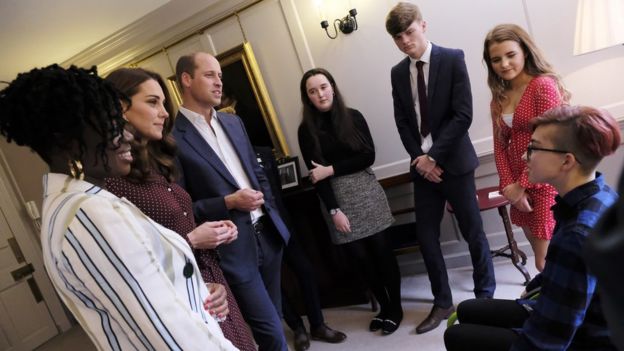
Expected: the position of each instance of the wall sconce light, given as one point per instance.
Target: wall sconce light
(347, 24)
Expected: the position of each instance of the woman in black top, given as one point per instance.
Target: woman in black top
(337, 147)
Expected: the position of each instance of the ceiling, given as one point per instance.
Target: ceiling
(35, 33)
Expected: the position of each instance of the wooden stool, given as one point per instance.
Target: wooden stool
(490, 198)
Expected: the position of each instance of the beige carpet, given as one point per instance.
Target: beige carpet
(417, 301)
(354, 320)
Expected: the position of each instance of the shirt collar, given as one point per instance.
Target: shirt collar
(567, 205)
(426, 56)
(54, 183)
(194, 116)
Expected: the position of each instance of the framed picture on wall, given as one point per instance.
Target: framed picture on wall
(245, 95)
(288, 169)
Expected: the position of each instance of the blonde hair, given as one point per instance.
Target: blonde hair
(535, 64)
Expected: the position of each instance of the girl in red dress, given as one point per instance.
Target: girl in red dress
(524, 86)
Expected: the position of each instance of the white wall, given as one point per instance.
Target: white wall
(287, 39)
(594, 79)
(362, 60)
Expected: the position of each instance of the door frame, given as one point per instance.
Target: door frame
(27, 238)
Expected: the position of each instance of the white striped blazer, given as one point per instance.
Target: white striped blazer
(131, 283)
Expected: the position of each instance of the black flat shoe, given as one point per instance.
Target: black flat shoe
(390, 325)
(376, 324)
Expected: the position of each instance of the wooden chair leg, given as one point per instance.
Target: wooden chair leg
(518, 257)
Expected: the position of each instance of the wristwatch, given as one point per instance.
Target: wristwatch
(334, 211)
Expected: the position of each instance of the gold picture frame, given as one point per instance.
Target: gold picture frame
(243, 80)
(244, 54)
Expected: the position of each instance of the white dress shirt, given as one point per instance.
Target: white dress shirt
(427, 142)
(124, 277)
(221, 144)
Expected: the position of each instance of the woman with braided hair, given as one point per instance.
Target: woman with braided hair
(130, 283)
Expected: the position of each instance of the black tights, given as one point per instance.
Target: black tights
(485, 324)
(380, 270)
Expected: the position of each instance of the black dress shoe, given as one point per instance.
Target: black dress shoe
(327, 334)
(433, 320)
(376, 324)
(302, 342)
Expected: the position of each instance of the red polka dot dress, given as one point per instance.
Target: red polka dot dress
(171, 206)
(540, 95)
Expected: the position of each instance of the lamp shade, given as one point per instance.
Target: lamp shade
(599, 25)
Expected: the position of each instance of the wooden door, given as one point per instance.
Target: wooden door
(25, 321)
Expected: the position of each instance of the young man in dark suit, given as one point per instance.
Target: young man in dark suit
(221, 173)
(433, 111)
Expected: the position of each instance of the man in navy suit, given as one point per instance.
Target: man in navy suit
(433, 111)
(221, 173)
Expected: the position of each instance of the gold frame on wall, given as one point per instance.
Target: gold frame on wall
(244, 54)
(175, 92)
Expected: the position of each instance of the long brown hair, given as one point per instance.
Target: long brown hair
(149, 155)
(341, 120)
(535, 64)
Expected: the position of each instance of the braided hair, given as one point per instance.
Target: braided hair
(48, 109)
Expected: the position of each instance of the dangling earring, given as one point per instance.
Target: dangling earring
(75, 168)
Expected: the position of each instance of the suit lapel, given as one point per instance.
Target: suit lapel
(405, 83)
(231, 127)
(433, 73)
(192, 137)
(406, 92)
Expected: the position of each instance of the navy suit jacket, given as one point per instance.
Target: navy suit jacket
(207, 180)
(450, 111)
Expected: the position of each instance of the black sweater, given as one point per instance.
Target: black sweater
(336, 153)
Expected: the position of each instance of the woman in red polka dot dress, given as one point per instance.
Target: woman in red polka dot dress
(523, 86)
(150, 186)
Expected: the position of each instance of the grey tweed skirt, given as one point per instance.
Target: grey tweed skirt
(363, 201)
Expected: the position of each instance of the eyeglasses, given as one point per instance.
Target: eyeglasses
(532, 148)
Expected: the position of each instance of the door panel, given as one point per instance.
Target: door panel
(25, 321)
